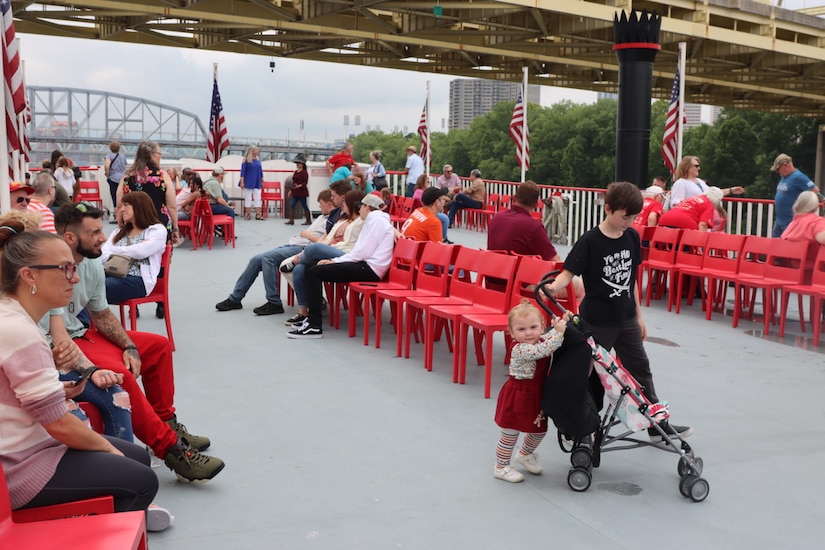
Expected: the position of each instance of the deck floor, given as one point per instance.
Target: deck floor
(330, 444)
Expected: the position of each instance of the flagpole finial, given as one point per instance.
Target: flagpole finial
(214, 71)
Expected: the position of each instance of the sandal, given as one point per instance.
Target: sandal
(259, 217)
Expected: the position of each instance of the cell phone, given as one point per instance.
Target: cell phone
(84, 375)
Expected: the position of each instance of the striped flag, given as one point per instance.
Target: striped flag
(669, 139)
(520, 133)
(424, 132)
(13, 76)
(218, 140)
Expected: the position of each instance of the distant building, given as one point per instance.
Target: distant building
(470, 98)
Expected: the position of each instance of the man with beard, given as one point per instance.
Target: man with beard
(129, 353)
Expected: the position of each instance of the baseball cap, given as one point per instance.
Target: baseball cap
(780, 160)
(17, 186)
(412, 148)
(217, 170)
(432, 194)
(373, 201)
(654, 191)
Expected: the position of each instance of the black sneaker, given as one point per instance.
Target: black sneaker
(296, 320)
(287, 267)
(306, 331)
(268, 309)
(656, 437)
(228, 305)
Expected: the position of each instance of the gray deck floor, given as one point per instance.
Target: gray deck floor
(330, 444)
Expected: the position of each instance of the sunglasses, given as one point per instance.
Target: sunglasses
(83, 206)
(22, 199)
(68, 269)
(696, 166)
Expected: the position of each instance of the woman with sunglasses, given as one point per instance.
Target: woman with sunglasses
(141, 238)
(687, 182)
(53, 457)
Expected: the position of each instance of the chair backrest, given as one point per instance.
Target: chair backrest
(755, 255)
(504, 202)
(89, 190)
(787, 262)
(404, 262)
(271, 190)
(397, 205)
(691, 249)
(491, 269)
(433, 273)
(664, 244)
(5, 499)
(722, 252)
(492, 202)
(464, 279)
(162, 284)
(408, 207)
(531, 270)
(818, 275)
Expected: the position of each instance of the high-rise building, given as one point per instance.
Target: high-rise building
(472, 97)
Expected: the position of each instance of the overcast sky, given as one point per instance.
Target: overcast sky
(257, 103)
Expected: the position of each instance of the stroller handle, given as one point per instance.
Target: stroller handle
(549, 278)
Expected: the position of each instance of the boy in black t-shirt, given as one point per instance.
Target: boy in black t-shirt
(608, 257)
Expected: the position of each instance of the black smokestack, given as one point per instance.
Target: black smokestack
(636, 44)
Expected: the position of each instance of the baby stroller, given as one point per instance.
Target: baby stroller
(573, 396)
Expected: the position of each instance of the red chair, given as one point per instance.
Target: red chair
(504, 202)
(689, 260)
(484, 325)
(407, 208)
(159, 294)
(69, 526)
(784, 265)
(271, 193)
(660, 262)
(489, 211)
(460, 290)
(89, 192)
(489, 296)
(399, 277)
(209, 221)
(719, 266)
(431, 279)
(815, 291)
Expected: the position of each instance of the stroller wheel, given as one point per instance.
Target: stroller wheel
(685, 483)
(685, 467)
(579, 479)
(699, 490)
(582, 456)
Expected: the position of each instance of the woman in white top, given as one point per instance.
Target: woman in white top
(65, 175)
(143, 239)
(689, 184)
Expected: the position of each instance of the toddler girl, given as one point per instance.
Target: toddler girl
(519, 402)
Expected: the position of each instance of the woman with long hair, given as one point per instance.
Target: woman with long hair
(376, 173)
(143, 239)
(145, 174)
(53, 457)
(65, 175)
(687, 182)
(251, 181)
(300, 190)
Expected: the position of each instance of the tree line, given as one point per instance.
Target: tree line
(574, 145)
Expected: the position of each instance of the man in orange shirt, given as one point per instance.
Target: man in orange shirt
(423, 224)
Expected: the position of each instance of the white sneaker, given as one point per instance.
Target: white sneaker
(158, 519)
(181, 240)
(530, 462)
(508, 474)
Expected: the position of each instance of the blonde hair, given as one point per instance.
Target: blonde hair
(684, 167)
(524, 309)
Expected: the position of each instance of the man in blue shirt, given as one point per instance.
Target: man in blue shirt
(793, 182)
(413, 168)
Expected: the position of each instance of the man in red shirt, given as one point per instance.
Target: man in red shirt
(515, 230)
(423, 224)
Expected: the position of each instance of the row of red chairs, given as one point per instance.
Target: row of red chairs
(436, 289)
(200, 227)
(775, 269)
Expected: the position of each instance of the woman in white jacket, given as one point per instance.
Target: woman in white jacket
(141, 238)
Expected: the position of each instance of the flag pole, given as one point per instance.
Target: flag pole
(5, 197)
(429, 158)
(680, 122)
(524, 125)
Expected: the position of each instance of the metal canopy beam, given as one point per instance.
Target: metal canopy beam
(737, 48)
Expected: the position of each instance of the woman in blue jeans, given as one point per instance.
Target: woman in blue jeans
(143, 239)
(340, 240)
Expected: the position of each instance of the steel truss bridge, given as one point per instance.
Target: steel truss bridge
(741, 53)
(82, 123)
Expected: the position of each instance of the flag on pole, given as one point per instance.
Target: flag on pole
(218, 140)
(23, 122)
(13, 76)
(424, 132)
(670, 137)
(520, 133)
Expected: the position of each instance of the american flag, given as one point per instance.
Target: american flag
(424, 132)
(13, 73)
(669, 138)
(520, 133)
(24, 119)
(218, 139)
